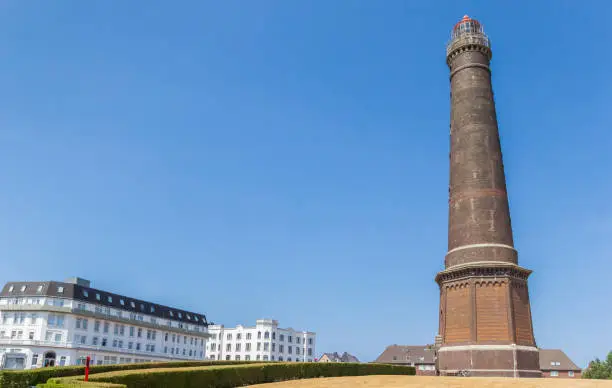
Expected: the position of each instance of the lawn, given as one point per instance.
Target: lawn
(436, 382)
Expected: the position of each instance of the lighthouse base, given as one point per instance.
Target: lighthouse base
(489, 360)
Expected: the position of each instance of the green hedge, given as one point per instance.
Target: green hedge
(31, 377)
(80, 384)
(234, 376)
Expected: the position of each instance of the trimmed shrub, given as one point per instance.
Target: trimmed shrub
(31, 377)
(79, 384)
(234, 376)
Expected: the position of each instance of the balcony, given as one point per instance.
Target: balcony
(99, 315)
(467, 39)
(73, 345)
(35, 307)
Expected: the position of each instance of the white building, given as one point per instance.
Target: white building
(265, 341)
(61, 323)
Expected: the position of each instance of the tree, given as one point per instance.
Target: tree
(598, 369)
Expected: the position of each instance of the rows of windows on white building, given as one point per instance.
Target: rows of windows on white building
(58, 302)
(295, 346)
(100, 336)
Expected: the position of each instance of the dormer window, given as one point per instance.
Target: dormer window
(60, 290)
(11, 289)
(152, 309)
(180, 315)
(171, 314)
(133, 304)
(85, 293)
(122, 302)
(98, 297)
(23, 288)
(39, 289)
(110, 299)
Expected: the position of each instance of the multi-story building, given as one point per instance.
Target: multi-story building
(52, 323)
(335, 357)
(422, 357)
(555, 363)
(265, 341)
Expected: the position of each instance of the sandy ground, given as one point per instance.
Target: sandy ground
(437, 382)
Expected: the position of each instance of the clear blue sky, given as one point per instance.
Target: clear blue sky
(289, 159)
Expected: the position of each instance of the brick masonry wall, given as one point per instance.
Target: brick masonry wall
(479, 312)
(490, 362)
(492, 312)
(478, 203)
(479, 253)
(563, 374)
(442, 318)
(458, 314)
(522, 314)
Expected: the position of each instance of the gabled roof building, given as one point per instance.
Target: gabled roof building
(422, 357)
(335, 357)
(555, 363)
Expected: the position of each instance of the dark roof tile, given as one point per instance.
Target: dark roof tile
(405, 354)
(104, 298)
(549, 358)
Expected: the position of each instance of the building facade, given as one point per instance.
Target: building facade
(52, 323)
(263, 342)
(421, 357)
(336, 357)
(485, 315)
(555, 363)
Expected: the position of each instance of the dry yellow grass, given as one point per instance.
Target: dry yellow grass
(436, 382)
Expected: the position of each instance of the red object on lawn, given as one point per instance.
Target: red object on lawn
(87, 368)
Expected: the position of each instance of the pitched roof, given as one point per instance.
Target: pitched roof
(556, 359)
(332, 356)
(345, 357)
(403, 354)
(93, 295)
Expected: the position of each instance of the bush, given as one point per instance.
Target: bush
(80, 384)
(31, 377)
(233, 376)
(598, 369)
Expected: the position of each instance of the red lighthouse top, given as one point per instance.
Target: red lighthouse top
(467, 26)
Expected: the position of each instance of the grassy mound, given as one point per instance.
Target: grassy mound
(440, 382)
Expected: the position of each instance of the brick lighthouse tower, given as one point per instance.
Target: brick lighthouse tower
(485, 316)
